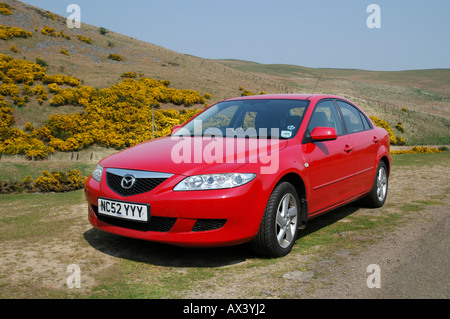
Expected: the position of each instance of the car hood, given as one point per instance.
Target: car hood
(196, 155)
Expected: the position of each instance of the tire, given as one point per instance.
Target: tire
(378, 194)
(279, 226)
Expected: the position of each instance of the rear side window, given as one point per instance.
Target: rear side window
(352, 118)
(367, 125)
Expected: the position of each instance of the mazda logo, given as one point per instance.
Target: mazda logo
(128, 181)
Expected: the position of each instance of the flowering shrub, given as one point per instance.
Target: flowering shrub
(61, 79)
(62, 35)
(14, 141)
(129, 75)
(41, 62)
(48, 31)
(394, 140)
(47, 182)
(5, 9)
(399, 127)
(84, 39)
(64, 51)
(54, 88)
(13, 49)
(40, 91)
(249, 93)
(119, 116)
(6, 118)
(115, 57)
(418, 149)
(19, 71)
(13, 32)
(51, 15)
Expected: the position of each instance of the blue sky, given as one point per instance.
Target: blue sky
(414, 34)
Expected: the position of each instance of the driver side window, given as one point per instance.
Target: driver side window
(325, 115)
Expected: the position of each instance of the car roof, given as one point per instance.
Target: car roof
(285, 97)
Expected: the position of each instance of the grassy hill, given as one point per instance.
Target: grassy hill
(424, 94)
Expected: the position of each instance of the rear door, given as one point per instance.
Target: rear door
(330, 163)
(365, 145)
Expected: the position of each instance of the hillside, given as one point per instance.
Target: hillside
(417, 99)
(90, 62)
(425, 91)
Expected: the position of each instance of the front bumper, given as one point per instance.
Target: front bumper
(207, 218)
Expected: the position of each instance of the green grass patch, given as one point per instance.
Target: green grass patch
(30, 216)
(422, 159)
(15, 172)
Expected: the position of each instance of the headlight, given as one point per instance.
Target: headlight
(213, 181)
(97, 173)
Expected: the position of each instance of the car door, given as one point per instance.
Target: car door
(330, 163)
(365, 145)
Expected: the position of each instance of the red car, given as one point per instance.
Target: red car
(249, 169)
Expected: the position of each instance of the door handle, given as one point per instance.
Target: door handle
(348, 148)
(375, 139)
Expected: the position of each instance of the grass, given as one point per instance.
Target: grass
(138, 269)
(15, 172)
(422, 160)
(34, 223)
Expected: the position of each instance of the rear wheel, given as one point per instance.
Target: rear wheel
(378, 194)
(279, 226)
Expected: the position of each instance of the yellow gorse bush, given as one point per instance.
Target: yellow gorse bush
(19, 71)
(51, 15)
(40, 91)
(5, 9)
(13, 49)
(249, 93)
(48, 31)
(129, 75)
(394, 140)
(13, 32)
(418, 149)
(115, 57)
(119, 116)
(63, 35)
(84, 39)
(47, 182)
(61, 79)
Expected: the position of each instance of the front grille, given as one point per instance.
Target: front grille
(208, 224)
(144, 181)
(157, 224)
(142, 185)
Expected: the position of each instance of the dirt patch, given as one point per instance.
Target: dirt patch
(40, 266)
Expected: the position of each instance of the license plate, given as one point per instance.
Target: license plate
(124, 210)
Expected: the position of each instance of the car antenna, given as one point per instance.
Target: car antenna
(317, 82)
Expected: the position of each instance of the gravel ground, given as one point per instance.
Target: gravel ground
(414, 263)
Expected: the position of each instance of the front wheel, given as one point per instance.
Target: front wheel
(279, 225)
(378, 194)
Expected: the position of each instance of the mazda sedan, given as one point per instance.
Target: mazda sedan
(249, 169)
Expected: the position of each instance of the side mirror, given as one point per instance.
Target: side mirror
(323, 134)
(176, 128)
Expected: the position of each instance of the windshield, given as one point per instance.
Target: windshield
(269, 118)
